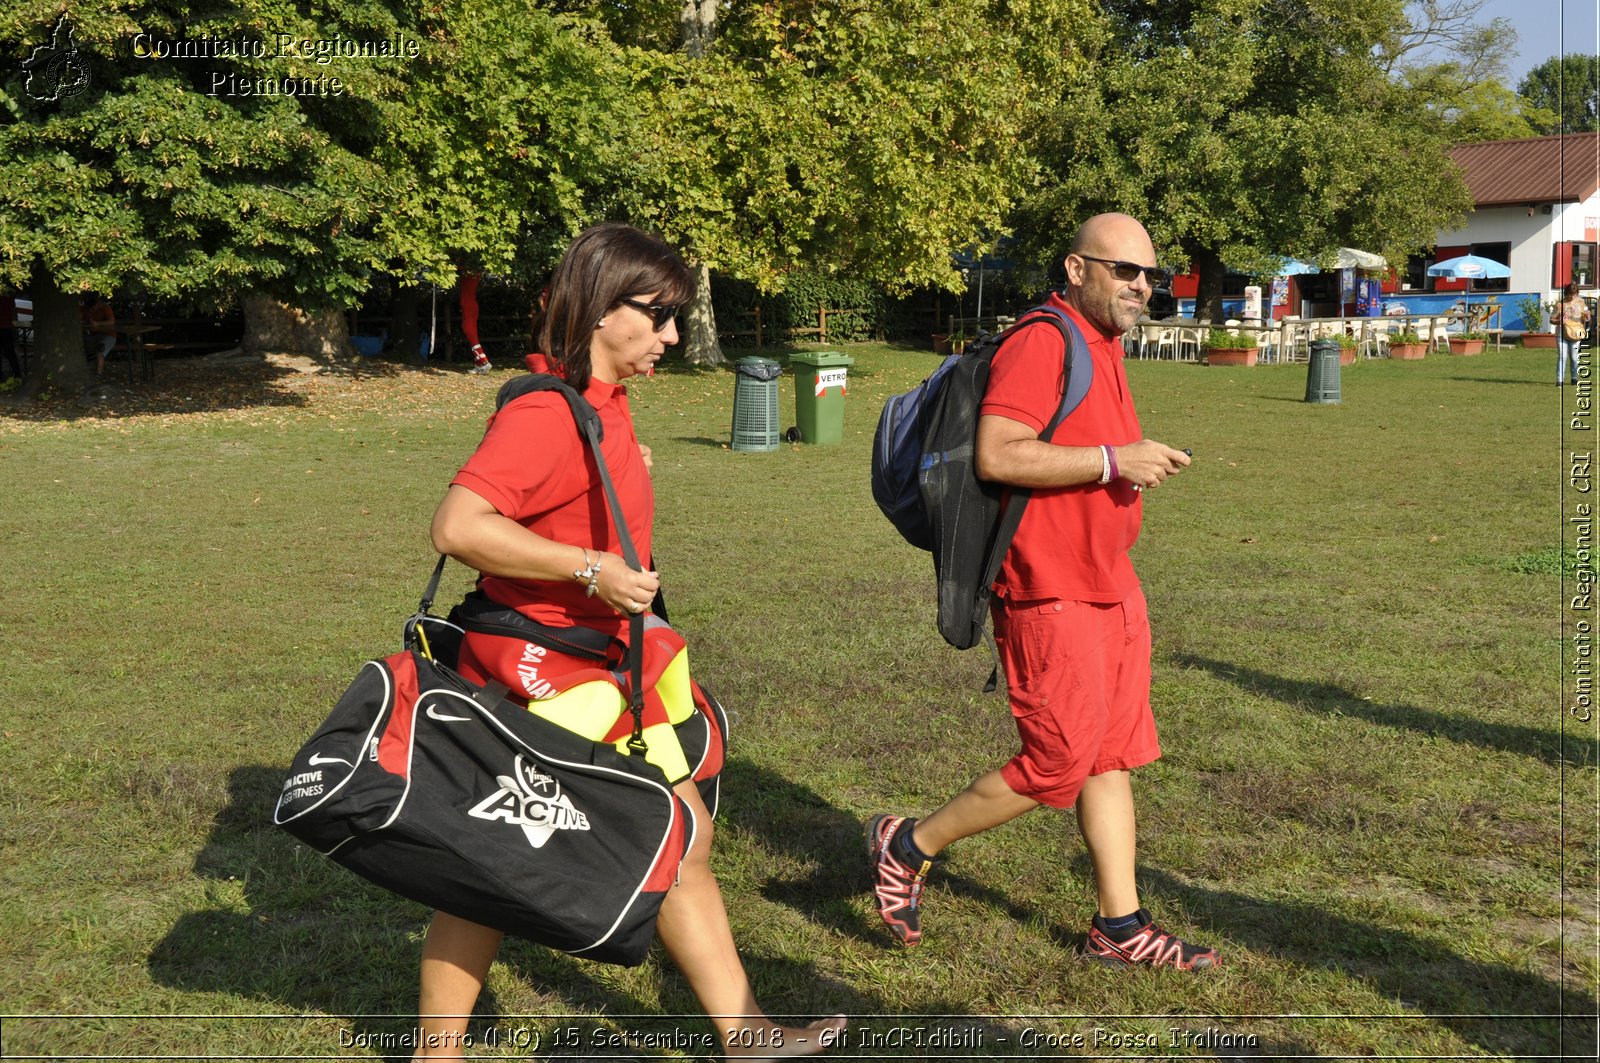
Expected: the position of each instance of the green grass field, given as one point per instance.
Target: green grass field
(1371, 799)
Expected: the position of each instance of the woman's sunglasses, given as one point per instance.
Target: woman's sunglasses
(660, 315)
(1128, 272)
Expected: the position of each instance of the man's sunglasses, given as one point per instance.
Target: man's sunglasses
(660, 316)
(1129, 271)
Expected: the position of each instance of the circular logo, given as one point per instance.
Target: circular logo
(65, 75)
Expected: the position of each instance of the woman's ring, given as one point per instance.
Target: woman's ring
(635, 607)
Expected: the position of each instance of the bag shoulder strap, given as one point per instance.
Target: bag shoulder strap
(587, 419)
(529, 383)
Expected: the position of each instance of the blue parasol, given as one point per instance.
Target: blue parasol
(1469, 267)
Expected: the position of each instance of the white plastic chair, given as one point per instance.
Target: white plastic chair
(1296, 338)
(1375, 338)
(1165, 338)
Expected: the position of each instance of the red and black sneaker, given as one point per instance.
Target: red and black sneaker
(896, 886)
(1148, 945)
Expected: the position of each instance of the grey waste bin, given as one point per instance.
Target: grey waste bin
(755, 404)
(1322, 375)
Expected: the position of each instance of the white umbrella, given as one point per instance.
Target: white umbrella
(1469, 267)
(1351, 258)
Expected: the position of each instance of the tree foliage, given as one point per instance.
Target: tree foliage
(151, 180)
(861, 137)
(1245, 130)
(514, 126)
(1454, 63)
(1567, 90)
(849, 135)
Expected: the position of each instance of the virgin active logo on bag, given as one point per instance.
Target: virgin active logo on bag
(531, 799)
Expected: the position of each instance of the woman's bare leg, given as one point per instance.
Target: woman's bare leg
(455, 961)
(693, 925)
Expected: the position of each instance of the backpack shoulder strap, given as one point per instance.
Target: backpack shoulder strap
(1079, 370)
(1076, 363)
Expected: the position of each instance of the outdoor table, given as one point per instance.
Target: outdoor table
(135, 335)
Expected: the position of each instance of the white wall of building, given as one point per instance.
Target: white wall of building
(1580, 222)
(1532, 239)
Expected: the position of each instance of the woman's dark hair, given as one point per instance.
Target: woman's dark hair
(1570, 290)
(604, 264)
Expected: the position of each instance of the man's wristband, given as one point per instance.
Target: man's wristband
(1111, 456)
(1108, 464)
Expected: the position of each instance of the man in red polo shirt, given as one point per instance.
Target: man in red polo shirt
(1069, 619)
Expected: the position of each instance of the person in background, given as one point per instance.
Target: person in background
(8, 336)
(1572, 324)
(100, 321)
(469, 321)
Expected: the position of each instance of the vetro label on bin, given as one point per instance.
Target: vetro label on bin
(830, 378)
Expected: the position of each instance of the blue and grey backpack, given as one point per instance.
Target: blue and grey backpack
(925, 480)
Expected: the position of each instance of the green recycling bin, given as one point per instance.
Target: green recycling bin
(819, 387)
(755, 404)
(1322, 376)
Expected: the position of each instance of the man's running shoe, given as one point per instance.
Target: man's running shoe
(481, 367)
(896, 886)
(1149, 945)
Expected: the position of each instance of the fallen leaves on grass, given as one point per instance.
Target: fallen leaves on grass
(273, 389)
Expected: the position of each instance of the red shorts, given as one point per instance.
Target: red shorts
(1079, 678)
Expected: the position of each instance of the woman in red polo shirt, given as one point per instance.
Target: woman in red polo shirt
(528, 512)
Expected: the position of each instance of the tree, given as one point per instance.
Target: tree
(1432, 32)
(1245, 130)
(1567, 90)
(1455, 65)
(507, 140)
(1473, 110)
(160, 176)
(510, 135)
(844, 134)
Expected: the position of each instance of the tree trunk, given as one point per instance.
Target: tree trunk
(282, 329)
(700, 343)
(58, 352)
(697, 26)
(1208, 297)
(405, 327)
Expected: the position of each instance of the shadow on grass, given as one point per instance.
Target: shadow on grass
(794, 820)
(314, 940)
(1502, 380)
(1504, 1011)
(1548, 746)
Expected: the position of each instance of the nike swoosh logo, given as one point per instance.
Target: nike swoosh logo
(435, 714)
(318, 758)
